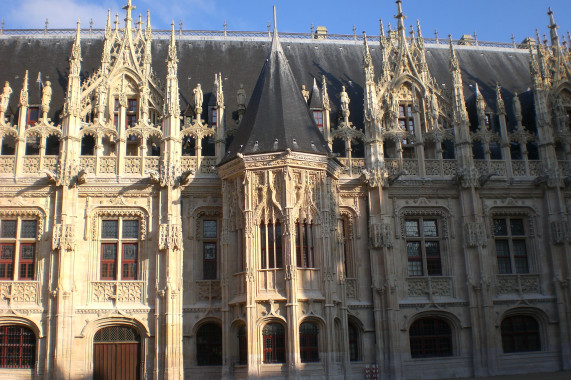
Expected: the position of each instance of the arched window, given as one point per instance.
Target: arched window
(242, 346)
(520, 333)
(430, 337)
(274, 343)
(17, 347)
(209, 345)
(308, 344)
(354, 343)
(88, 145)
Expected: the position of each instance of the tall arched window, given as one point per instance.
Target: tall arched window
(308, 343)
(274, 343)
(520, 333)
(209, 345)
(354, 343)
(430, 337)
(242, 345)
(17, 347)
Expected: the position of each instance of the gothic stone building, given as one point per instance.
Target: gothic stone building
(404, 215)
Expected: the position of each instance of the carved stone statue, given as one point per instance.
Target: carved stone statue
(46, 98)
(4, 100)
(344, 100)
(345, 104)
(304, 93)
(198, 99)
(241, 97)
(434, 108)
(517, 108)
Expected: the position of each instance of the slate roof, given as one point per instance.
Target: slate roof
(241, 61)
(277, 117)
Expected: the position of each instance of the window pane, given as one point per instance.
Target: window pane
(28, 251)
(430, 228)
(209, 229)
(130, 229)
(411, 228)
(209, 251)
(109, 229)
(7, 252)
(29, 229)
(517, 227)
(415, 268)
(129, 251)
(432, 248)
(8, 228)
(500, 227)
(108, 251)
(413, 249)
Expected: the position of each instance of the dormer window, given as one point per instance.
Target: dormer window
(116, 111)
(131, 113)
(33, 115)
(406, 121)
(318, 117)
(213, 118)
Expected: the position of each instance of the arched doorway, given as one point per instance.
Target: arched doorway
(116, 354)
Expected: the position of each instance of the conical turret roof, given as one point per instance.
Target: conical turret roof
(277, 117)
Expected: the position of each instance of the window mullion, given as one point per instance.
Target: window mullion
(119, 268)
(17, 253)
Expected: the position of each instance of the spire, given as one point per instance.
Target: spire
(75, 59)
(277, 117)
(148, 26)
(108, 25)
(382, 32)
(553, 30)
(453, 58)
(367, 60)
(315, 101)
(172, 107)
(276, 45)
(24, 91)
(477, 91)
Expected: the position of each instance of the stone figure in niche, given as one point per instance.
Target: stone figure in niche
(198, 98)
(517, 107)
(241, 97)
(304, 93)
(46, 98)
(344, 100)
(4, 100)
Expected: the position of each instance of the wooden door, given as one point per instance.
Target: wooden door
(116, 354)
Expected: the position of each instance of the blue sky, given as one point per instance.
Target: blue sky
(492, 20)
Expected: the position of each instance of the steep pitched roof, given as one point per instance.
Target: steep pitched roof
(277, 117)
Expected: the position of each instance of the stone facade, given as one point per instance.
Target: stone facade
(432, 241)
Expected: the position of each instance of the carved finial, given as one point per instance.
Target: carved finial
(367, 60)
(477, 90)
(116, 21)
(24, 91)
(436, 35)
(324, 94)
(553, 29)
(382, 28)
(140, 22)
(418, 30)
(148, 32)
(129, 7)
(453, 58)
(218, 90)
(76, 49)
(400, 16)
(108, 25)
(500, 106)
(46, 28)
